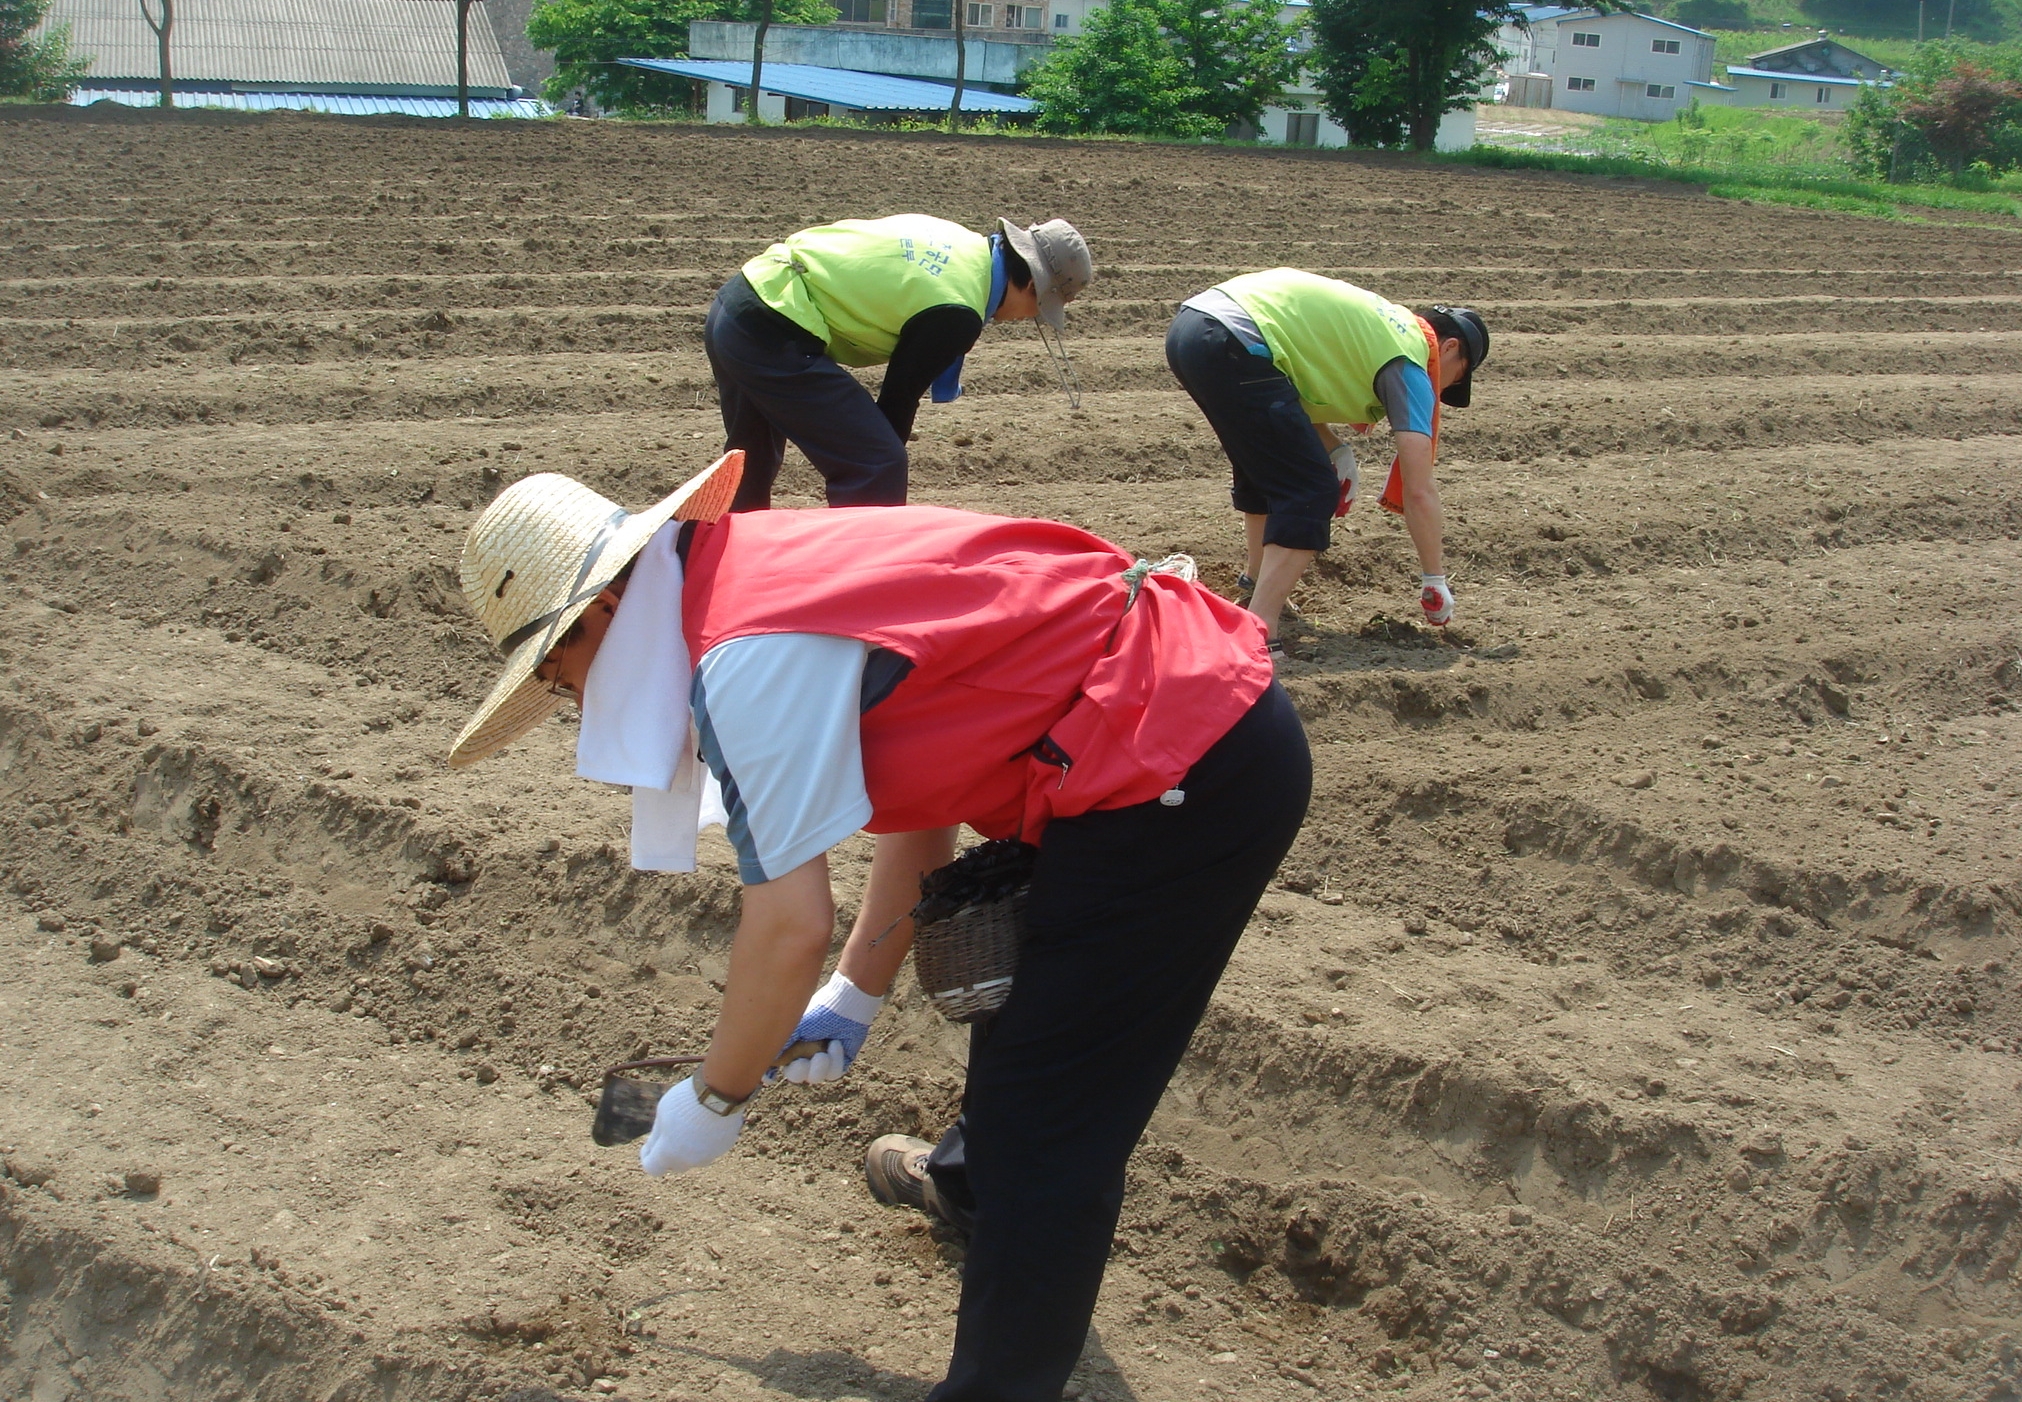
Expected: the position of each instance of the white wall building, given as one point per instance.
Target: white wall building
(1818, 75)
(1613, 65)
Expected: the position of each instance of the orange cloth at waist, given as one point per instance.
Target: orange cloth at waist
(1392, 499)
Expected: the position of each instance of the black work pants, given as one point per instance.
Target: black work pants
(1280, 471)
(775, 382)
(1133, 914)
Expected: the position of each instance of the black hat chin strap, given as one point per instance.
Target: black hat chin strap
(606, 533)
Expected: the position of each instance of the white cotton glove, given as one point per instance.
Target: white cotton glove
(839, 1014)
(1348, 475)
(686, 1134)
(1435, 598)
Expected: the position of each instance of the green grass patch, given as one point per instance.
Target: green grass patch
(1767, 183)
(1804, 199)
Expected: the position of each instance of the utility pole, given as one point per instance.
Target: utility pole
(751, 116)
(161, 30)
(961, 68)
(463, 57)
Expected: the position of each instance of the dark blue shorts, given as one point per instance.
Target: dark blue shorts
(1281, 471)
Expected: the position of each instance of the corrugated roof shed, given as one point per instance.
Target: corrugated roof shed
(343, 104)
(405, 47)
(840, 87)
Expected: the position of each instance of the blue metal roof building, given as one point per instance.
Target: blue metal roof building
(343, 104)
(836, 91)
(353, 56)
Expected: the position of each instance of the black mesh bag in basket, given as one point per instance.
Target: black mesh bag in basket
(967, 927)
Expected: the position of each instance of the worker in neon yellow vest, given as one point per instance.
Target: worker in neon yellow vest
(911, 293)
(1274, 360)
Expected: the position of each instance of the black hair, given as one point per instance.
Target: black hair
(1016, 272)
(1444, 325)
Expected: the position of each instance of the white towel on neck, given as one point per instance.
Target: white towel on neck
(636, 728)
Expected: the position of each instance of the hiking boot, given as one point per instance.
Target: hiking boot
(895, 1167)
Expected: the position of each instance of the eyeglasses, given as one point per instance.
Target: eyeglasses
(551, 667)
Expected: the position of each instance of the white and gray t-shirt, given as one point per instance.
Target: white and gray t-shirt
(777, 716)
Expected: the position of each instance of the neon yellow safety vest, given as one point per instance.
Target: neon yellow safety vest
(1330, 338)
(854, 284)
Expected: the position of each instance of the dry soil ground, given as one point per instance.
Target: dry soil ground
(1639, 1015)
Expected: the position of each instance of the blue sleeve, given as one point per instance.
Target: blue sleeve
(1408, 400)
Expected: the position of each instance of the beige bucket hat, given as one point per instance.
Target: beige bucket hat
(536, 559)
(1060, 262)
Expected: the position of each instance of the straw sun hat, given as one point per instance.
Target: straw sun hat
(536, 559)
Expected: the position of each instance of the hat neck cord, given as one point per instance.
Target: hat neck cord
(1056, 350)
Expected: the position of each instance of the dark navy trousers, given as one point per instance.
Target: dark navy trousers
(775, 382)
(1132, 917)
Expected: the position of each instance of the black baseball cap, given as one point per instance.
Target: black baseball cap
(1472, 332)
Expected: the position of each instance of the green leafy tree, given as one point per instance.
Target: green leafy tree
(1956, 108)
(1388, 70)
(1975, 18)
(588, 36)
(41, 68)
(1182, 68)
(1714, 14)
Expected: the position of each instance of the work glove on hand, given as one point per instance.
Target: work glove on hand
(1435, 598)
(687, 1134)
(1348, 475)
(839, 1014)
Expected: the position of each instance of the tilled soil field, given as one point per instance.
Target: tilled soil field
(1638, 1016)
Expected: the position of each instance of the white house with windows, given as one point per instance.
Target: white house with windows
(1818, 75)
(1613, 65)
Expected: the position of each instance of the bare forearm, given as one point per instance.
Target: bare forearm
(872, 957)
(1423, 516)
(775, 961)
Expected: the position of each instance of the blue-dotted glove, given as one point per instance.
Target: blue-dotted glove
(840, 1015)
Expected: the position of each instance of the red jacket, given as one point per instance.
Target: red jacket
(1033, 694)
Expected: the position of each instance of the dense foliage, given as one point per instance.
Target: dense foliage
(587, 35)
(1180, 68)
(1388, 70)
(1974, 18)
(1955, 114)
(1713, 14)
(39, 68)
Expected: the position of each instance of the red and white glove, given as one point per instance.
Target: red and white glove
(1435, 598)
(1348, 475)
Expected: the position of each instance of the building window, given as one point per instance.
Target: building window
(1778, 91)
(1579, 85)
(1060, 20)
(933, 14)
(1660, 90)
(1824, 95)
(1586, 41)
(860, 11)
(979, 15)
(1024, 17)
(1302, 128)
(1663, 46)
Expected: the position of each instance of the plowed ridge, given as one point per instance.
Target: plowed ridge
(1637, 1016)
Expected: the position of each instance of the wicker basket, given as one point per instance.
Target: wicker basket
(967, 928)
